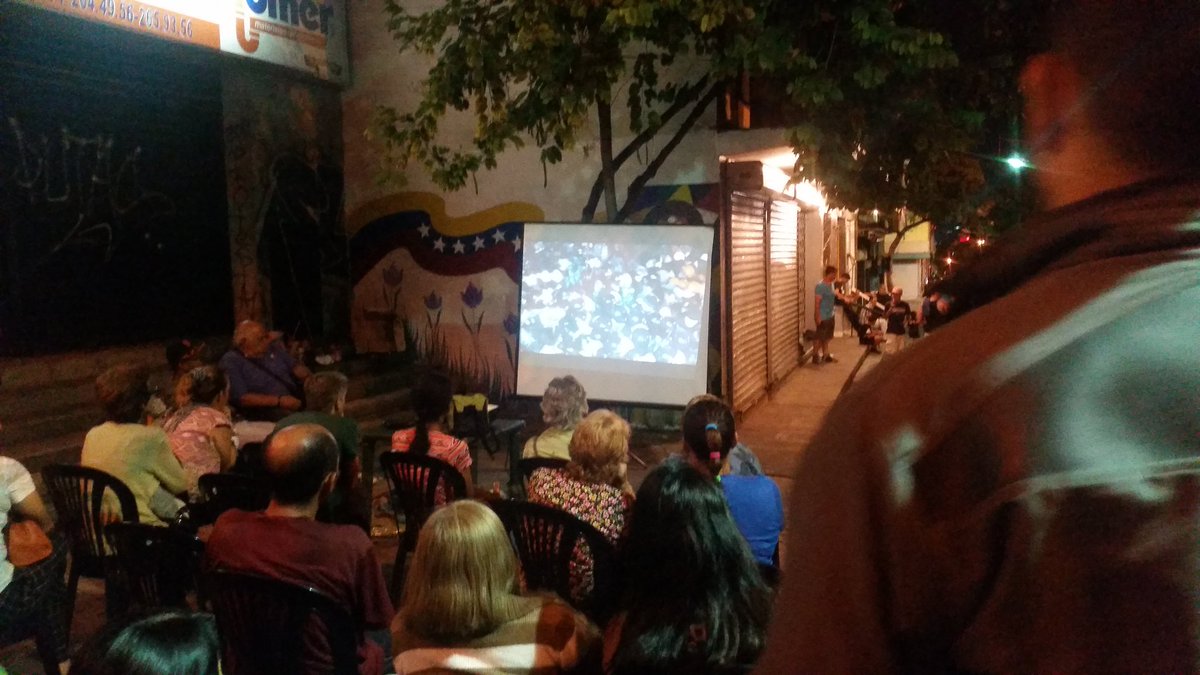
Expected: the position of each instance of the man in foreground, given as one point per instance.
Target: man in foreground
(287, 543)
(1034, 505)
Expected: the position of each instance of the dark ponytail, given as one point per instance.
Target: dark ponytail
(708, 432)
(431, 401)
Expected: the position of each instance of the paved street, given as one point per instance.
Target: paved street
(779, 428)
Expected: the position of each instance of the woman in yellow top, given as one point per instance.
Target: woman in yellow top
(139, 455)
(563, 406)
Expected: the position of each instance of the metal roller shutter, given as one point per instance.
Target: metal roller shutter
(748, 306)
(784, 282)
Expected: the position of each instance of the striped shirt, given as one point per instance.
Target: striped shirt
(549, 638)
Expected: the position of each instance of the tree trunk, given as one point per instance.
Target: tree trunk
(887, 275)
(685, 97)
(607, 167)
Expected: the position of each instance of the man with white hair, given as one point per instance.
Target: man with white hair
(264, 382)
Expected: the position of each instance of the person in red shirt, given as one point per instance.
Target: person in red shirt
(286, 542)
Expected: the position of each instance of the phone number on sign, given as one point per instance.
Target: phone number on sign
(138, 16)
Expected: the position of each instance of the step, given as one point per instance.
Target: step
(60, 449)
(379, 406)
(365, 386)
(37, 372)
(47, 401)
(80, 419)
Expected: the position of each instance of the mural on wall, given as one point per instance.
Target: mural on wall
(284, 165)
(446, 288)
(440, 287)
(689, 204)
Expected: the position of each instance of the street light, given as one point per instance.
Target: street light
(1017, 163)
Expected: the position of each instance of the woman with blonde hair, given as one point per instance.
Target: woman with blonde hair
(461, 610)
(593, 486)
(563, 406)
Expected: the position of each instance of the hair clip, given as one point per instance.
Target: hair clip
(712, 426)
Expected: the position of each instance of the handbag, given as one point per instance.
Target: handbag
(27, 543)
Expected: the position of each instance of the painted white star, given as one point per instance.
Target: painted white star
(498, 235)
(516, 243)
(424, 230)
(439, 245)
(479, 243)
(458, 247)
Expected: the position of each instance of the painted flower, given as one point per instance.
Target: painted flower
(511, 323)
(393, 275)
(473, 296)
(433, 301)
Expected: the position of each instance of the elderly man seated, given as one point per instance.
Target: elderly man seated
(264, 382)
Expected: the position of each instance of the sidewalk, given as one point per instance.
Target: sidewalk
(779, 428)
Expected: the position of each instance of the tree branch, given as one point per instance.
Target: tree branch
(635, 187)
(685, 97)
(895, 245)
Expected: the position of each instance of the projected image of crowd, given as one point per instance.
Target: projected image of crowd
(614, 301)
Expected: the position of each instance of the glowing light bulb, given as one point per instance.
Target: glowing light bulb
(1017, 163)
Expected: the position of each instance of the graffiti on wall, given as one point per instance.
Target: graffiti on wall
(283, 166)
(111, 216)
(72, 178)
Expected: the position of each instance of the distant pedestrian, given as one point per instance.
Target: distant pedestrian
(826, 301)
(897, 323)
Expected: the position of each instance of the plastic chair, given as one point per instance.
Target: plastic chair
(413, 481)
(224, 491)
(153, 566)
(263, 623)
(530, 464)
(545, 539)
(527, 466)
(82, 498)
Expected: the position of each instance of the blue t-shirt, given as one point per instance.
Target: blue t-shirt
(828, 300)
(757, 509)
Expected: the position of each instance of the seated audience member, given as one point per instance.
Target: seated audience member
(32, 597)
(694, 600)
(593, 486)
(754, 501)
(265, 382)
(286, 542)
(431, 401)
(325, 401)
(563, 406)
(137, 454)
(461, 611)
(200, 431)
(167, 643)
(741, 460)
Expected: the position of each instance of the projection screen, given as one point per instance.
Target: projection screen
(623, 308)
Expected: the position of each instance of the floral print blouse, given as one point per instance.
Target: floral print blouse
(604, 507)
